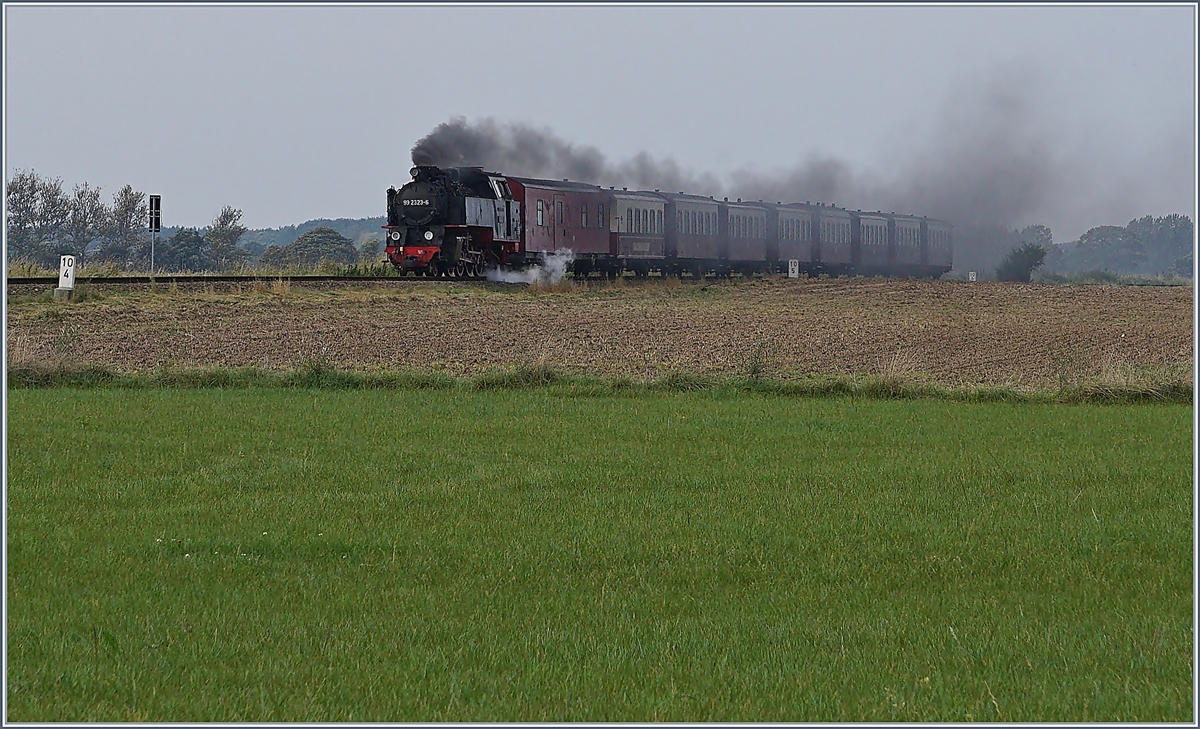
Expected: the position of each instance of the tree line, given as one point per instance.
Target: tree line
(46, 221)
(1147, 246)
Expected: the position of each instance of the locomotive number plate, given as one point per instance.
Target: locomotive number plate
(416, 202)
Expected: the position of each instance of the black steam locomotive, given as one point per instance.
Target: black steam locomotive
(459, 221)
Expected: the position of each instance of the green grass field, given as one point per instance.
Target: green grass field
(315, 555)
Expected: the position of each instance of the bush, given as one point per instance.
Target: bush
(1020, 262)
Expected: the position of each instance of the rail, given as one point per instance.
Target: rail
(201, 278)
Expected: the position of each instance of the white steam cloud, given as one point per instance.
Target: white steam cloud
(551, 272)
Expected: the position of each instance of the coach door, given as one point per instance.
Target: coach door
(558, 217)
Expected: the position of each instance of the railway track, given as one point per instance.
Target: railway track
(200, 278)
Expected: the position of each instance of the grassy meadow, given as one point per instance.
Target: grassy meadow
(292, 554)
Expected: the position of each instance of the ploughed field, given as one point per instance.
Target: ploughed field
(952, 333)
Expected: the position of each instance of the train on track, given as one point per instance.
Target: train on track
(460, 221)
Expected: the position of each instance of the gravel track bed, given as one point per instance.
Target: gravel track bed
(948, 332)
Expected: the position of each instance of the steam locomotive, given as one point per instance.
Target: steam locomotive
(460, 221)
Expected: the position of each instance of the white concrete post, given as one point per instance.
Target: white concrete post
(793, 268)
(66, 277)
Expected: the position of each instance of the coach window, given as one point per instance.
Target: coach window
(558, 213)
(541, 213)
(599, 216)
(583, 215)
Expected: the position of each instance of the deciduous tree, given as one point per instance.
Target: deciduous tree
(37, 211)
(1109, 248)
(310, 249)
(87, 220)
(221, 239)
(1020, 263)
(183, 251)
(125, 240)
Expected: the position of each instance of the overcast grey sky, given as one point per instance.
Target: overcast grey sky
(292, 113)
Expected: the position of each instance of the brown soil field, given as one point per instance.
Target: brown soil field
(953, 333)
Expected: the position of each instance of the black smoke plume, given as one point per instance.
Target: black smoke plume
(988, 161)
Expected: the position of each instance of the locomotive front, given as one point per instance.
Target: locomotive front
(417, 215)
